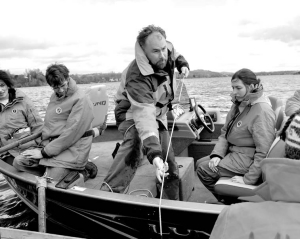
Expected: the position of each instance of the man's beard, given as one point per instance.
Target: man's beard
(161, 64)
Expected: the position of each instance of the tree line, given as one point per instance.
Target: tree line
(35, 77)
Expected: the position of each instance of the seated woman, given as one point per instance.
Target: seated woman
(278, 215)
(246, 136)
(18, 117)
(65, 146)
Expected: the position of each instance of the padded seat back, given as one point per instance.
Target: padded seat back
(277, 106)
(99, 99)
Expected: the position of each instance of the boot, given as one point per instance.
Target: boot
(92, 169)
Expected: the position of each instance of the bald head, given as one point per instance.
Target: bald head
(147, 31)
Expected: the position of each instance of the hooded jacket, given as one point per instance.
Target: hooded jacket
(277, 217)
(19, 119)
(66, 120)
(292, 103)
(145, 95)
(246, 136)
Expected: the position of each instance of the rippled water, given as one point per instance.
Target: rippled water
(209, 92)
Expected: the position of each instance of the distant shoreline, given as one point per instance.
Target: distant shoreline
(35, 78)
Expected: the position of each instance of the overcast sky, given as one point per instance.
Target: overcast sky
(91, 36)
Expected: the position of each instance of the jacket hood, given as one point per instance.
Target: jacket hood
(281, 180)
(142, 60)
(251, 99)
(19, 93)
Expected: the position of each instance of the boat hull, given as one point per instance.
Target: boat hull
(93, 213)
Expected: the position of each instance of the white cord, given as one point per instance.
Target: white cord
(163, 178)
(142, 194)
(107, 186)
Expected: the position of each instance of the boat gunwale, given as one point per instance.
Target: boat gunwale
(194, 207)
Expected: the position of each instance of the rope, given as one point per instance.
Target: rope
(107, 186)
(163, 178)
(142, 194)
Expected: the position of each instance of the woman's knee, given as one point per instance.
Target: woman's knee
(201, 160)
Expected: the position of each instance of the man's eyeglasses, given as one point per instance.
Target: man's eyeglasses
(60, 87)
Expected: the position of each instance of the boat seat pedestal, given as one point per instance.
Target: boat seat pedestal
(144, 181)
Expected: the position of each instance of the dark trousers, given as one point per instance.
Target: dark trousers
(208, 177)
(130, 155)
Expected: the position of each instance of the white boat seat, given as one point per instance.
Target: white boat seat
(225, 187)
(99, 99)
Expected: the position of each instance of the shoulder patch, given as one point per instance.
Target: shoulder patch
(58, 110)
(239, 124)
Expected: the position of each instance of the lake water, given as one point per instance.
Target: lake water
(209, 92)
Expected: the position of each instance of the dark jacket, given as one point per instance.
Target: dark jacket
(145, 95)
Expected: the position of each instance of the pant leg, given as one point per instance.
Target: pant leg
(207, 158)
(28, 165)
(125, 162)
(208, 177)
(171, 182)
(9, 159)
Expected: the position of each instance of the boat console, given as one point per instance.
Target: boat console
(194, 123)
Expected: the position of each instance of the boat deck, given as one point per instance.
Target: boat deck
(101, 155)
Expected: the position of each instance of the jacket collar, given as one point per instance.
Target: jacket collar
(142, 61)
(252, 99)
(15, 97)
(72, 88)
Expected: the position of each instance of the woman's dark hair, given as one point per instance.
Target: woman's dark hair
(246, 76)
(56, 74)
(6, 79)
(146, 31)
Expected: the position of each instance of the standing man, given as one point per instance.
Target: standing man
(64, 146)
(142, 102)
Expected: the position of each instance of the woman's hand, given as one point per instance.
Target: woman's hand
(32, 154)
(238, 179)
(213, 163)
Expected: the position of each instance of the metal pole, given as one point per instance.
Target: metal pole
(41, 184)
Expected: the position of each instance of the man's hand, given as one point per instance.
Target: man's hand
(238, 179)
(161, 167)
(32, 154)
(213, 163)
(185, 71)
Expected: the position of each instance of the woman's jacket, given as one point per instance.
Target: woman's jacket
(246, 136)
(18, 119)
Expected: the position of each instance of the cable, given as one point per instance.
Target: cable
(163, 178)
(142, 194)
(107, 186)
